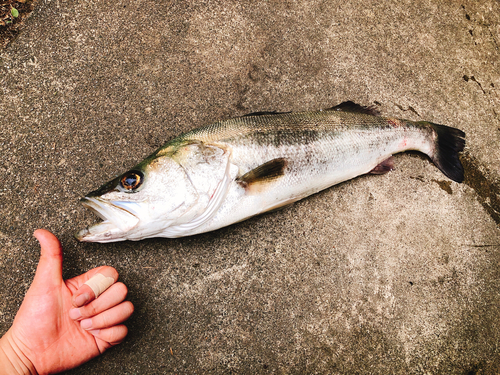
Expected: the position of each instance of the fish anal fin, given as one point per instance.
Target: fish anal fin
(386, 166)
(256, 179)
(352, 107)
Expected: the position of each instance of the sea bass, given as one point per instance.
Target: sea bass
(231, 170)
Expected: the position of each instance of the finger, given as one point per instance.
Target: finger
(110, 336)
(113, 335)
(111, 297)
(95, 282)
(50, 265)
(109, 318)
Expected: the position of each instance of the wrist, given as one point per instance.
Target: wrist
(12, 359)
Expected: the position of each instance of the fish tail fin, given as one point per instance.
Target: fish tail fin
(450, 141)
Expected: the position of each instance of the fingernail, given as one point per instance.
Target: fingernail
(86, 323)
(95, 331)
(75, 314)
(82, 299)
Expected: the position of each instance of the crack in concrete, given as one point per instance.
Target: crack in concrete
(410, 108)
(472, 78)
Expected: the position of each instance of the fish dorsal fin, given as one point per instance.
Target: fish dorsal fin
(266, 172)
(352, 107)
(265, 113)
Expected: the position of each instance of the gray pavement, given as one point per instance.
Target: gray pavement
(382, 274)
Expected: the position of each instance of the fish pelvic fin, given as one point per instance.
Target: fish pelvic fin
(450, 141)
(263, 174)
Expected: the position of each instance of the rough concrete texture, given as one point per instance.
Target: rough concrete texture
(382, 274)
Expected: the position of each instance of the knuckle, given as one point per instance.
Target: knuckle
(90, 310)
(116, 335)
(129, 307)
(104, 321)
(119, 334)
(108, 271)
(112, 272)
(121, 288)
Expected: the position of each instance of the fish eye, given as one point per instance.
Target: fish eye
(131, 180)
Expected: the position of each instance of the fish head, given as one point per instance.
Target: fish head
(141, 202)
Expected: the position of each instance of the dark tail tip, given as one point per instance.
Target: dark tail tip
(450, 141)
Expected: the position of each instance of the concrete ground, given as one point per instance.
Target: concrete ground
(392, 274)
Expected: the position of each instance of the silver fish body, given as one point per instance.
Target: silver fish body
(231, 170)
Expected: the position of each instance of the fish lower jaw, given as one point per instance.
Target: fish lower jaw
(104, 231)
(117, 222)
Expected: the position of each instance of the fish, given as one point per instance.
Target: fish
(231, 170)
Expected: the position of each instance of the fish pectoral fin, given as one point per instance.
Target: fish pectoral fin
(385, 167)
(263, 174)
(352, 107)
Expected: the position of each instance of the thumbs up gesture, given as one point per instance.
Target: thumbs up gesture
(64, 323)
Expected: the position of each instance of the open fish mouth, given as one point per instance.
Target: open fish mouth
(117, 220)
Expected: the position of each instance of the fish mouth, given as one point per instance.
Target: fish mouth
(117, 221)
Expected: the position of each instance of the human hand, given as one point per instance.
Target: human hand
(63, 323)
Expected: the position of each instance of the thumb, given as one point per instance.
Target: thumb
(49, 268)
